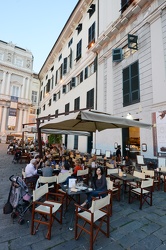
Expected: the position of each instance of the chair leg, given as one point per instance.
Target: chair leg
(91, 237)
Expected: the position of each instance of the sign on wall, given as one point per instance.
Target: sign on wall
(159, 133)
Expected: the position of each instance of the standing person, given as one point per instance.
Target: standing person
(118, 154)
(99, 185)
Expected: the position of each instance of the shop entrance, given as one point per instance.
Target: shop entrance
(131, 142)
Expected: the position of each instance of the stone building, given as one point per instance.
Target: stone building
(111, 56)
(19, 88)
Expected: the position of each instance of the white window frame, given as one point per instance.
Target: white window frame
(15, 90)
(19, 62)
(34, 96)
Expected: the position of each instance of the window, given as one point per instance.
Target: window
(80, 78)
(60, 56)
(52, 80)
(86, 72)
(34, 96)
(70, 58)
(77, 103)
(79, 27)
(32, 111)
(48, 86)
(91, 69)
(76, 142)
(70, 42)
(73, 82)
(91, 35)
(54, 97)
(90, 99)
(49, 103)
(41, 94)
(44, 107)
(79, 50)
(91, 10)
(15, 91)
(67, 108)
(125, 4)
(69, 87)
(56, 112)
(64, 65)
(131, 88)
(18, 62)
(64, 89)
(58, 95)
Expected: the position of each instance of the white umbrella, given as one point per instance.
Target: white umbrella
(91, 121)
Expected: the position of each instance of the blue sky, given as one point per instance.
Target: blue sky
(34, 24)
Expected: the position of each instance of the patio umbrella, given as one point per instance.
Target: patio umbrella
(91, 121)
(31, 129)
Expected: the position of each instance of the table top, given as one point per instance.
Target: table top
(79, 191)
(128, 177)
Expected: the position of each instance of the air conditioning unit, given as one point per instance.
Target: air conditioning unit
(117, 55)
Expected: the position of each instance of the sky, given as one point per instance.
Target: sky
(34, 25)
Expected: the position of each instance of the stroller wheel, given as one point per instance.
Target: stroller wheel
(13, 215)
(21, 221)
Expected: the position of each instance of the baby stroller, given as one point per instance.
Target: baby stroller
(19, 198)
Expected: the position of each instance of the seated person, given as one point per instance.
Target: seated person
(113, 161)
(17, 156)
(65, 168)
(77, 167)
(93, 159)
(62, 162)
(128, 163)
(47, 170)
(31, 172)
(99, 185)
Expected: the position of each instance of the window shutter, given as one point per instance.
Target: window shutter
(64, 65)
(56, 77)
(117, 55)
(71, 58)
(64, 89)
(73, 82)
(86, 72)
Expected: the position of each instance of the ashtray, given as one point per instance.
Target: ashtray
(124, 175)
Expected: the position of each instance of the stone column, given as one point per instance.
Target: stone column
(25, 116)
(23, 88)
(3, 124)
(20, 120)
(27, 90)
(8, 84)
(3, 83)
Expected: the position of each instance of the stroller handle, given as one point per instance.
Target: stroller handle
(12, 178)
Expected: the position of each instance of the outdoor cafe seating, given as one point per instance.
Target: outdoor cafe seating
(94, 217)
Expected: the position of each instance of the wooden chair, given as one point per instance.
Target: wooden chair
(95, 216)
(156, 179)
(163, 176)
(140, 176)
(46, 210)
(62, 177)
(142, 193)
(83, 174)
(50, 180)
(144, 168)
(115, 189)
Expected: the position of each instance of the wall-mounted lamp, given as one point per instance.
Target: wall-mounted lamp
(129, 116)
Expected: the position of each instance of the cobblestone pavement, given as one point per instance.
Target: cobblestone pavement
(130, 228)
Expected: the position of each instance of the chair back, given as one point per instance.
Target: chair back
(149, 173)
(50, 179)
(163, 169)
(140, 159)
(83, 172)
(112, 171)
(109, 165)
(62, 177)
(139, 175)
(109, 184)
(39, 192)
(147, 183)
(144, 168)
(100, 203)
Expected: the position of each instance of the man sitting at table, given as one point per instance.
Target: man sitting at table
(128, 164)
(47, 170)
(31, 172)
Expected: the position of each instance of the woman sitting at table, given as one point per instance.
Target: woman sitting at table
(99, 185)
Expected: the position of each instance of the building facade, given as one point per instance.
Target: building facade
(19, 90)
(111, 56)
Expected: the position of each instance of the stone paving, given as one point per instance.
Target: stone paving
(130, 228)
